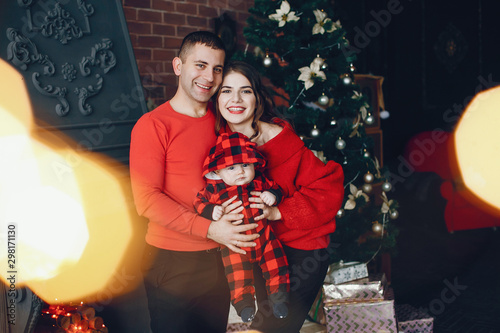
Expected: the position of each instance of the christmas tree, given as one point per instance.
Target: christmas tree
(301, 47)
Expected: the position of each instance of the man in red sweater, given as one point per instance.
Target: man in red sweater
(185, 281)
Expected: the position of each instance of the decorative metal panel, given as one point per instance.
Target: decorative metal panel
(79, 68)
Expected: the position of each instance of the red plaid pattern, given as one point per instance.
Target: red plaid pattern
(239, 273)
(269, 254)
(231, 149)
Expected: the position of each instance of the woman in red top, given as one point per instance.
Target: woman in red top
(312, 191)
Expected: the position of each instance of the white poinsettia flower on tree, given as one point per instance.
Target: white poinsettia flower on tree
(355, 128)
(356, 95)
(284, 15)
(386, 206)
(308, 74)
(322, 20)
(364, 111)
(335, 25)
(364, 108)
(355, 193)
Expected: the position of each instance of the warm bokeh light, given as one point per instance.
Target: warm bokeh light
(477, 143)
(71, 210)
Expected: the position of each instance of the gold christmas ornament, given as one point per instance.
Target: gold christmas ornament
(367, 188)
(377, 228)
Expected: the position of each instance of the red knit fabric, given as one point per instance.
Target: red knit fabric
(166, 157)
(268, 252)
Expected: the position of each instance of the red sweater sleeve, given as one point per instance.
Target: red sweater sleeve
(149, 145)
(313, 190)
(318, 196)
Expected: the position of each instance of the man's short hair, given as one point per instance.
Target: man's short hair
(206, 38)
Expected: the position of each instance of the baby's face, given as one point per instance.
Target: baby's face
(238, 174)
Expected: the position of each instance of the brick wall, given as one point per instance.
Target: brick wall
(157, 28)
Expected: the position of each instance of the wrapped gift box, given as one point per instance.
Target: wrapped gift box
(412, 320)
(344, 272)
(371, 287)
(316, 313)
(369, 316)
(361, 317)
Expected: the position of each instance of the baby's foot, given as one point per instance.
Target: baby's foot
(247, 314)
(280, 310)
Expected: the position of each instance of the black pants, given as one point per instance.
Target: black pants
(307, 274)
(187, 291)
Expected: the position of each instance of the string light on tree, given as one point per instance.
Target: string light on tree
(352, 68)
(340, 213)
(366, 153)
(333, 121)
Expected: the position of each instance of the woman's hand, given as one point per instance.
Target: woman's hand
(270, 213)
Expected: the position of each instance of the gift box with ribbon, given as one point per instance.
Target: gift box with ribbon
(365, 289)
(344, 272)
(367, 316)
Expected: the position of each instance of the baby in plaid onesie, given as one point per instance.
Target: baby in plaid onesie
(233, 167)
